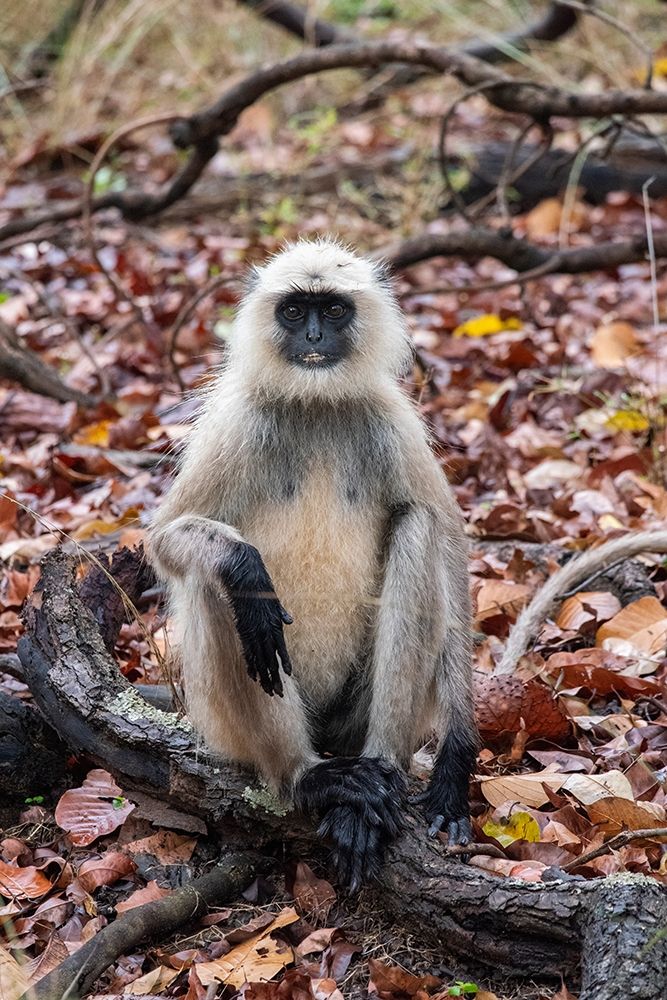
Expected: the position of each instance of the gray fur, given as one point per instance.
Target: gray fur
(330, 475)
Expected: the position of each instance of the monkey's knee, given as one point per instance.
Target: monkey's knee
(359, 802)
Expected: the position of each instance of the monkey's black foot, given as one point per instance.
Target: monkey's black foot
(359, 801)
(441, 809)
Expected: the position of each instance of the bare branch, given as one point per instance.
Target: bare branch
(472, 244)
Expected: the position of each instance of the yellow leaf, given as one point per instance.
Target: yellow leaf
(628, 420)
(100, 527)
(485, 325)
(659, 67)
(97, 434)
(519, 826)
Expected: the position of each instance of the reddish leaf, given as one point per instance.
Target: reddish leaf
(93, 810)
(19, 883)
(386, 978)
(312, 895)
(105, 870)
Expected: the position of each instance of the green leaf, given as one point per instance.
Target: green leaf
(118, 802)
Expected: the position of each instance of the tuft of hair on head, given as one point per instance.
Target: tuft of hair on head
(381, 347)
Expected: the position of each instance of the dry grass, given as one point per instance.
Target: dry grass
(139, 57)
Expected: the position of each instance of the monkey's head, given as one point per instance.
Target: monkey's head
(318, 320)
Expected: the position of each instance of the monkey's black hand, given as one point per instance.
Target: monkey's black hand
(359, 801)
(259, 616)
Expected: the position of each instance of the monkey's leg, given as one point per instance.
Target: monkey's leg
(446, 800)
(423, 647)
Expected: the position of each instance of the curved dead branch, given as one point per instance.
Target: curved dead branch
(523, 256)
(201, 132)
(513, 926)
(74, 978)
(19, 364)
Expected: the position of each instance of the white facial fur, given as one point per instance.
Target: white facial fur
(381, 346)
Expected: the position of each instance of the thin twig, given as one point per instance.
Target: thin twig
(87, 203)
(484, 286)
(186, 312)
(620, 840)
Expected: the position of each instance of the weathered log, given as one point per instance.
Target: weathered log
(32, 758)
(627, 931)
(75, 977)
(525, 929)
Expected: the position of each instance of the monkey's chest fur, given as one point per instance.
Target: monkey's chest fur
(322, 537)
(324, 556)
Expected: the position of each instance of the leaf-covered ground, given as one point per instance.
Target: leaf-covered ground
(547, 407)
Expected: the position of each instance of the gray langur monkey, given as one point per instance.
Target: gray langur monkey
(311, 544)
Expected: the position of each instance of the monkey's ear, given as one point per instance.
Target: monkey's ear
(251, 280)
(383, 274)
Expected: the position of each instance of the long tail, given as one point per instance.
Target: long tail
(533, 616)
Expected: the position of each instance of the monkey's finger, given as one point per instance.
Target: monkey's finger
(264, 674)
(285, 661)
(374, 853)
(460, 831)
(269, 648)
(358, 857)
(285, 615)
(436, 824)
(269, 667)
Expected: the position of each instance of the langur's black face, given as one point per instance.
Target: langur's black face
(316, 328)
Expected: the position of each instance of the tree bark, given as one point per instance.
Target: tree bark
(75, 977)
(627, 932)
(19, 364)
(32, 758)
(520, 928)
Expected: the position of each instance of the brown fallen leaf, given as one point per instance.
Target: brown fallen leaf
(312, 895)
(642, 623)
(586, 607)
(510, 705)
(500, 596)
(588, 788)
(166, 846)
(13, 977)
(526, 789)
(613, 814)
(105, 870)
(148, 894)
(22, 883)
(92, 811)
(387, 978)
(260, 957)
(613, 344)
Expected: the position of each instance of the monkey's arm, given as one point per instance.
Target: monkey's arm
(534, 615)
(216, 555)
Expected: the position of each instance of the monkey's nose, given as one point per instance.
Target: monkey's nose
(313, 332)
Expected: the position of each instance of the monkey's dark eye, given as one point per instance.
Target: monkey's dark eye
(292, 313)
(334, 310)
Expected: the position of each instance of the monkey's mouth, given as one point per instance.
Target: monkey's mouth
(315, 359)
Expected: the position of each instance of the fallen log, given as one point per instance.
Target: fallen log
(517, 928)
(74, 978)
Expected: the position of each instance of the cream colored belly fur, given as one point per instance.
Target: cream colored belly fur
(324, 559)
